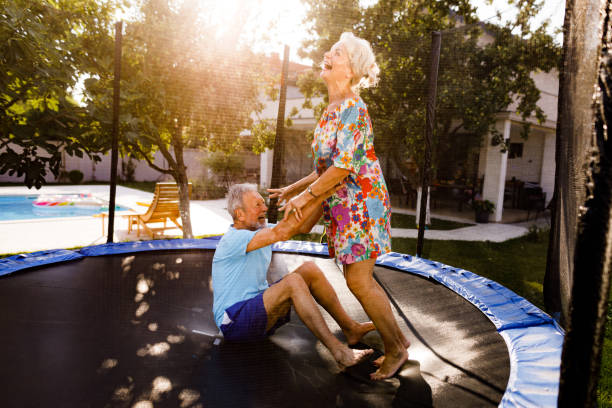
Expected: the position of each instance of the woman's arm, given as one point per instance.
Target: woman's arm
(287, 228)
(330, 178)
(286, 193)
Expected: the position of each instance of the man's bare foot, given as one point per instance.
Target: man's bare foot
(379, 361)
(390, 364)
(347, 357)
(355, 334)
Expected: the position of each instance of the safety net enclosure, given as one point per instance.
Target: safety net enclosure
(126, 323)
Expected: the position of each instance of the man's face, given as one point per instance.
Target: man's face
(253, 214)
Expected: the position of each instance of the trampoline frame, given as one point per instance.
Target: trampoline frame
(533, 338)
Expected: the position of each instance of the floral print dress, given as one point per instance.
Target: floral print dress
(357, 217)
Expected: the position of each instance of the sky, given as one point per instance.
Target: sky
(291, 31)
(288, 16)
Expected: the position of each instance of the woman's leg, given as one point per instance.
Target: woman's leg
(360, 280)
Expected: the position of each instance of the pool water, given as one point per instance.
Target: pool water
(21, 208)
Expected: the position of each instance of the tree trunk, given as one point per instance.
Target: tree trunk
(180, 175)
(183, 185)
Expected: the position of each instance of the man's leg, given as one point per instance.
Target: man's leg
(293, 290)
(326, 296)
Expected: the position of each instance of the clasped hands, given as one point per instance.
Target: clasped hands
(293, 204)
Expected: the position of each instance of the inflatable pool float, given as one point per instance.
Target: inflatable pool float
(73, 200)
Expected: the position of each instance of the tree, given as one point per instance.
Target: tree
(44, 48)
(476, 81)
(187, 81)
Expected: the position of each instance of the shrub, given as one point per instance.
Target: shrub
(75, 176)
(128, 169)
(227, 168)
(484, 206)
(205, 189)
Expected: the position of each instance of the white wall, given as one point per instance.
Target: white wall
(529, 166)
(496, 164)
(100, 171)
(547, 177)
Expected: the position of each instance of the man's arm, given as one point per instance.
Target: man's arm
(290, 226)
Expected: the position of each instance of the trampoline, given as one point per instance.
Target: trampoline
(131, 324)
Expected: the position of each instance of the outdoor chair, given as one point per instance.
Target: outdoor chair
(536, 201)
(164, 207)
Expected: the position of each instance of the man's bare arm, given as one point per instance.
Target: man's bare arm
(290, 226)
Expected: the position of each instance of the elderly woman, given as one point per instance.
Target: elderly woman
(358, 216)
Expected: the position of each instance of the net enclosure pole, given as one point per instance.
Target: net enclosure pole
(279, 146)
(115, 134)
(582, 349)
(436, 39)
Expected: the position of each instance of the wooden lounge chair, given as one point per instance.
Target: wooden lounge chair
(164, 207)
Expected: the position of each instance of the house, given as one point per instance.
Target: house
(530, 162)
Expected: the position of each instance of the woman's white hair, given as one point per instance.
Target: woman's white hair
(363, 61)
(235, 197)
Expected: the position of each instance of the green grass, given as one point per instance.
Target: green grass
(408, 221)
(519, 264)
(604, 391)
(399, 220)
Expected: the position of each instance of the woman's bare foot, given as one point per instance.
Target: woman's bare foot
(379, 361)
(355, 334)
(347, 357)
(390, 364)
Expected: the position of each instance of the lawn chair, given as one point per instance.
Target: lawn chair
(164, 207)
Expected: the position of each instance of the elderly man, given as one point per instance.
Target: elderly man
(247, 308)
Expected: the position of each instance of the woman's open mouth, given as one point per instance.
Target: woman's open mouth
(326, 65)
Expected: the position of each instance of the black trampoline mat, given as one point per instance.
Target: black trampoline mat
(118, 330)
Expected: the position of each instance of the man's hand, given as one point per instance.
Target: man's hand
(284, 194)
(289, 226)
(296, 205)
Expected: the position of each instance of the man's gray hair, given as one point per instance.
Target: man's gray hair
(235, 197)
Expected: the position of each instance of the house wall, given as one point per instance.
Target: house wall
(529, 166)
(547, 177)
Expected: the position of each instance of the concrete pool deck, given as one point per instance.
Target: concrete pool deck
(207, 218)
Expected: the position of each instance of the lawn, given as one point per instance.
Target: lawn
(399, 220)
(519, 264)
(409, 221)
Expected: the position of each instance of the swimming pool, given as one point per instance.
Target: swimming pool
(21, 208)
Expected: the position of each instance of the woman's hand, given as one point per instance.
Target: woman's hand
(295, 205)
(284, 194)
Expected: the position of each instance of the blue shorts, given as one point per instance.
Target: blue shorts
(249, 320)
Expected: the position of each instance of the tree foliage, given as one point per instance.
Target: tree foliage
(187, 81)
(477, 79)
(44, 47)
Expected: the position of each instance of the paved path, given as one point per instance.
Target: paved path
(208, 218)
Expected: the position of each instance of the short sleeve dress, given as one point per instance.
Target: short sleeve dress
(357, 217)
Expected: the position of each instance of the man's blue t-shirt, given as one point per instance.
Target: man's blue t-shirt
(236, 274)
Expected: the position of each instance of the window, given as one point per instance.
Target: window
(516, 150)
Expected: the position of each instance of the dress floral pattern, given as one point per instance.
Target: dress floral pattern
(358, 216)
